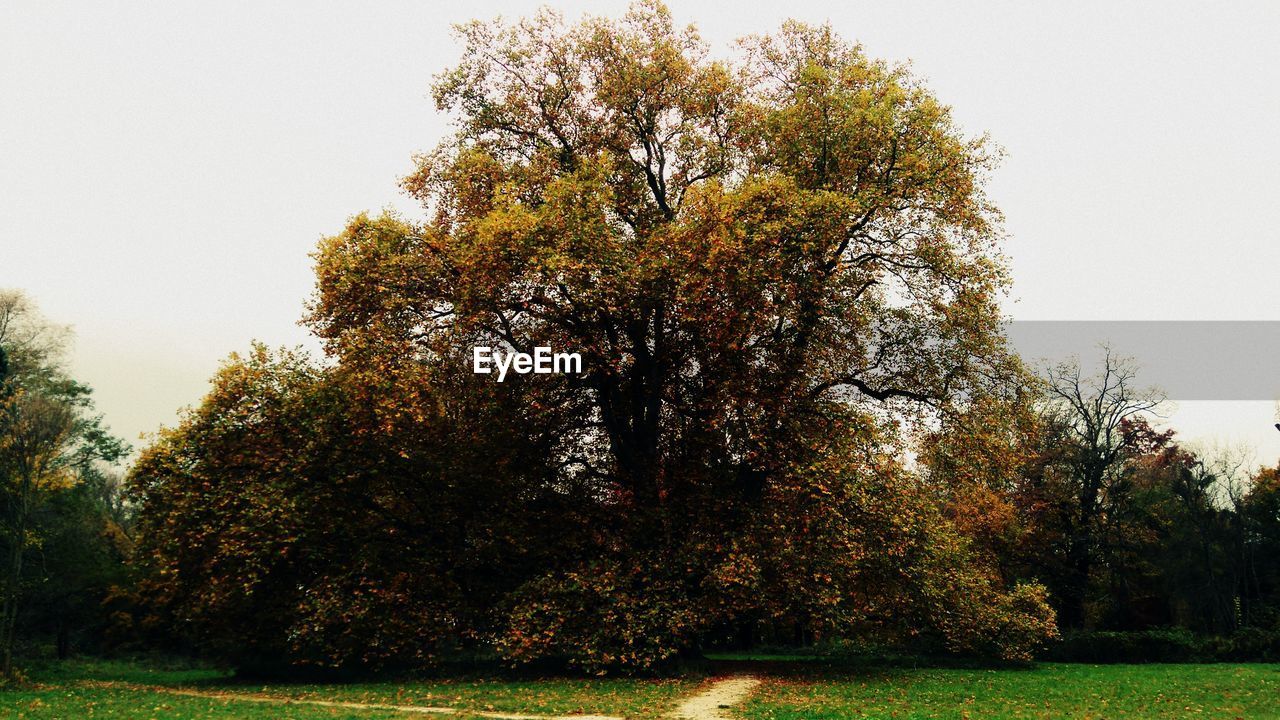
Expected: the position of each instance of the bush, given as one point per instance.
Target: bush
(1166, 645)
(607, 616)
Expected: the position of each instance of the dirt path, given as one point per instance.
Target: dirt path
(710, 703)
(272, 699)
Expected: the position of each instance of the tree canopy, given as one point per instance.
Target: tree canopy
(781, 271)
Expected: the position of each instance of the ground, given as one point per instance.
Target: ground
(1113, 692)
(784, 691)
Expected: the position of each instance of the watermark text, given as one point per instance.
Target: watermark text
(543, 361)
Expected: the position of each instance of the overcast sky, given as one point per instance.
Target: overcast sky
(165, 168)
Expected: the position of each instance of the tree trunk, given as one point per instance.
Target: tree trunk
(1080, 549)
(1072, 614)
(64, 639)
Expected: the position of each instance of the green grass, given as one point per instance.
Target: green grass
(62, 693)
(627, 698)
(76, 703)
(1042, 691)
(793, 690)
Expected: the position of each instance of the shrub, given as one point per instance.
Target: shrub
(1166, 645)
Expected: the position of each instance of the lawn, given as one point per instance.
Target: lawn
(92, 689)
(66, 703)
(792, 690)
(1042, 691)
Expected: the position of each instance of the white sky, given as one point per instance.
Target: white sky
(165, 168)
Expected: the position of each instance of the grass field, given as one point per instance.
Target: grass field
(122, 690)
(1042, 691)
(794, 690)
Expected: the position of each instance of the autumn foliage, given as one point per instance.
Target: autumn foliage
(781, 272)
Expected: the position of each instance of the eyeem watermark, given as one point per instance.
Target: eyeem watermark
(541, 362)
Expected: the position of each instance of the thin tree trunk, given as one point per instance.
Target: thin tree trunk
(1079, 567)
(64, 639)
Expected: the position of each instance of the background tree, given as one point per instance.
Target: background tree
(1164, 557)
(1260, 520)
(1090, 414)
(81, 563)
(1210, 494)
(1142, 531)
(35, 431)
(47, 440)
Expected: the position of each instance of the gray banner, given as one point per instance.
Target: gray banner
(1188, 360)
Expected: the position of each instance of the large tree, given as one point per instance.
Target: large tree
(777, 270)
